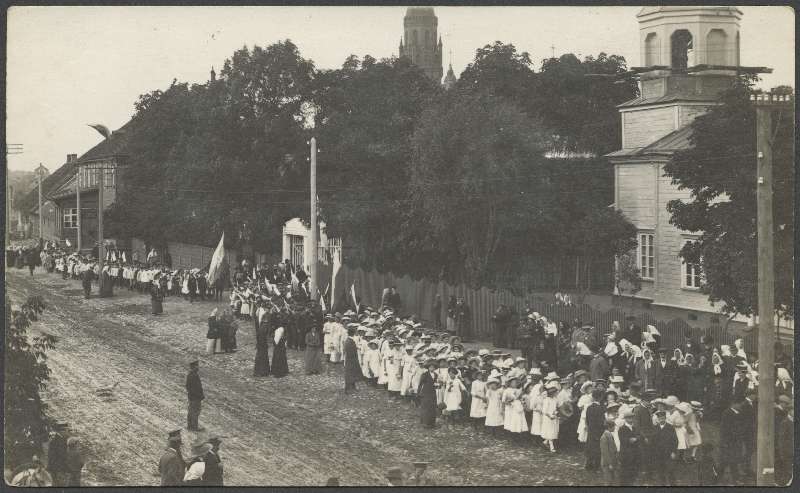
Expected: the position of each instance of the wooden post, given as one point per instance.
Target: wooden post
(101, 246)
(78, 205)
(765, 460)
(314, 240)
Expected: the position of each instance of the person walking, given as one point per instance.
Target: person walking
(352, 369)
(171, 466)
(194, 391)
(313, 353)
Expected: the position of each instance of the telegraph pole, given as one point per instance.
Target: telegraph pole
(312, 268)
(78, 205)
(41, 213)
(765, 457)
(101, 183)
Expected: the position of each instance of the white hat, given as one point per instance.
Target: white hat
(651, 329)
(483, 352)
(616, 379)
(492, 380)
(552, 376)
(520, 360)
(611, 349)
(535, 371)
(583, 349)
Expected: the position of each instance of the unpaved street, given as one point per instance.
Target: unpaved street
(299, 430)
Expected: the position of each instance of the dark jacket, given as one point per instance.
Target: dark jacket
(642, 421)
(213, 473)
(609, 455)
(172, 468)
(595, 421)
(629, 448)
(665, 377)
(598, 368)
(352, 368)
(194, 387)
(730, 435)
(664, 442)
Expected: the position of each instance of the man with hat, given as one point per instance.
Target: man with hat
(213, 472)
(630, 450)
(194, 391)
(665, 372)
(171, 465)
(730, 440)
(352, 369)
(784, 440)
(741, 381)
(595, 426)
(663, 449)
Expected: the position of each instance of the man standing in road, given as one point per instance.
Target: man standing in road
(171, 466)
(194, 390)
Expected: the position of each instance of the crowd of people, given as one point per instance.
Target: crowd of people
(636, 408)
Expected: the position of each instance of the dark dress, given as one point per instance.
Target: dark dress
(313, 355)
(261, 368)
(213, 473)
(352, 368)
(280, 367)
(156, 300)
(427, 399)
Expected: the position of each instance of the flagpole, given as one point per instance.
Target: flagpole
(312, 268)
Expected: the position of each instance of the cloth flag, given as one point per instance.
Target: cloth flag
(124, 258)
(215, 268)
(353, 294)
(322, 302)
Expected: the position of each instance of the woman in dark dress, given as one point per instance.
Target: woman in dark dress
(696, 387)
(156, 299)
(313, 356)
(280, 366)
(261, 368)
(228, 329)
(427, 395)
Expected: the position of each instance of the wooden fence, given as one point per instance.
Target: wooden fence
(418, 296)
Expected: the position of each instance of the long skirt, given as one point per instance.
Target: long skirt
(211, 345)
(428, 410)
(514, 418)
(157, 305)
(280, 367)
(549, 428)
(451, 325)
(261, 367)
(313, 360)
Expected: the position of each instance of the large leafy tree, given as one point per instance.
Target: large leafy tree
(25, 375)
(229, 155)
(720, 173)
(366, 113)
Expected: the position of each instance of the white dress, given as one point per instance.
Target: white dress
(693, 434)
(514, 416)
(443, 377)
(677, 422)
(536, 408)
(336, 341)
(583, 405)
(549, 418)
(395, 379)
(409, 370)
(494, 407)
(477, 407)
(326, 338)
(453, 394)
(372, 364)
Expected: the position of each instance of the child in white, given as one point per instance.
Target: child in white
(453, 394)
(494, 405)
(477, 410)
(514, 416)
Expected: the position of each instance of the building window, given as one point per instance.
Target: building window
(652, 50)
(646, 255)
(691, 273)
(682, 50)
(717, 47)
(70, 218)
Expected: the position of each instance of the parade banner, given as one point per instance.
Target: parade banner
(215, 268)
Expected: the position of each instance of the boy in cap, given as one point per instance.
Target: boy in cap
(664, 449)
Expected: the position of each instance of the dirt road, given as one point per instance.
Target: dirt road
(298, 430)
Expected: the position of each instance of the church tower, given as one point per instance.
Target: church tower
(689, 56)
(419, 42)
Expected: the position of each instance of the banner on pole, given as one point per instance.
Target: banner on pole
(216, 267)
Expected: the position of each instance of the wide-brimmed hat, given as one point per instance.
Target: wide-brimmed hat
(483, 352)
(671, 401)
(200, 449)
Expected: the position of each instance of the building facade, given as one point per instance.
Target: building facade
(420, 42)
(690, 54)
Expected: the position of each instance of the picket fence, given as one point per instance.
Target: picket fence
(418, 297)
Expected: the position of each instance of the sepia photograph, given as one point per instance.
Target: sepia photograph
(414, 246)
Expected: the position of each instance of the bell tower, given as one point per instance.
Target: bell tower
(420, 42)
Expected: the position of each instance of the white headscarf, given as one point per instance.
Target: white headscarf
(278, 334)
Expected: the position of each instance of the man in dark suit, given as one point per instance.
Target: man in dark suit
(194, 391)
(749, 417)
(784, 440)
(741, 381)
(664, 448)
(665, 372)
(730, 441)
(595, 426)
(630, 450)
(689, 346)
(171, 466)
(643, 424)
(213, 472)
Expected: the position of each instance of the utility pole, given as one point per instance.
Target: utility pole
(312, 268)
(41, 212)
(101, 171)
(78, 205)
(765, 457)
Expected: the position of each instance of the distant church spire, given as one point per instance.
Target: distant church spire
(419, 43)
(213, 74)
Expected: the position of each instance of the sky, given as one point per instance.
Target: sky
(70, 66)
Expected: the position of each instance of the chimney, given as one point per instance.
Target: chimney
(72, 157)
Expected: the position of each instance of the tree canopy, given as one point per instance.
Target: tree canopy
(720, 173)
